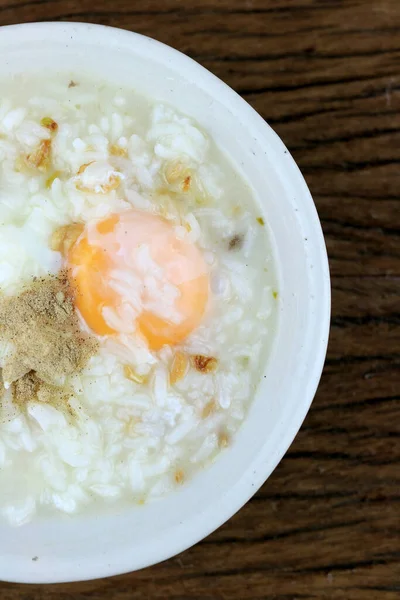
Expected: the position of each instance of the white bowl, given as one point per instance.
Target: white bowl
(99, 545)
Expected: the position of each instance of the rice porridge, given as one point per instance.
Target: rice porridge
(138, 297)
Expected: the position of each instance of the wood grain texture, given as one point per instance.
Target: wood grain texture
(326, 75)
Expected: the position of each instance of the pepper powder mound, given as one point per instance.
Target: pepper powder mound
(31, 387)
(48, 345)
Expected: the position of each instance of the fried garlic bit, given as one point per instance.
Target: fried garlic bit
(40, 158)
(208, 409)
(179, 367)
(178, 174)
(175, 171)
(116, 150)
(186, 183)
(49, 123)
(236, 242)
(179, 476)
(223, 439)
(131, 374)
(93, 182)
(83, 168)
(180, 184)
(64, 237)
(204, 364)
(105, 188)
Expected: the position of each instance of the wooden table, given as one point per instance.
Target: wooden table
(326, 75)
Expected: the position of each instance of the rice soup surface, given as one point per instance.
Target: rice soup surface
(159, 247)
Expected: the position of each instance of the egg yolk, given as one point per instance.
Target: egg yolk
(162, 278)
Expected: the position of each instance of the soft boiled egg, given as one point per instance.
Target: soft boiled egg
(135, 274)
